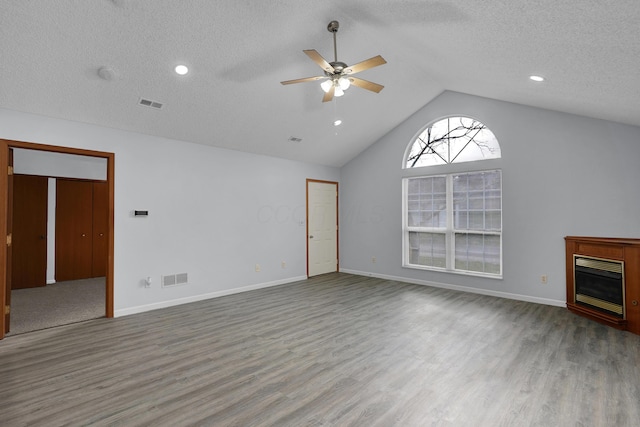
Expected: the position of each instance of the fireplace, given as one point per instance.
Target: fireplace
(599, 284)
(603, 280)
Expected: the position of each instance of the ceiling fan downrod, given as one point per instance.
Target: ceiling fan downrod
(333, 28)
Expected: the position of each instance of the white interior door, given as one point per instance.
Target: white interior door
(322, 227)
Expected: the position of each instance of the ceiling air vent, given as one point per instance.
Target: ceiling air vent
(294, 139)
(150, 103)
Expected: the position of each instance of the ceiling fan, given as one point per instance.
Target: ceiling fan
(338, 75)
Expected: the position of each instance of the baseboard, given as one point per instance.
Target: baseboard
(50, 281)
(202, 297)
(196, 298)
(518, 297)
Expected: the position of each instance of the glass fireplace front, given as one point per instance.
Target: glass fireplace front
(599, 283)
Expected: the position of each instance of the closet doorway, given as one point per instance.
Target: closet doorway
(101, 259)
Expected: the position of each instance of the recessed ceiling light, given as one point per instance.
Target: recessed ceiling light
(181, 69)
(337, 122)
(537, 78)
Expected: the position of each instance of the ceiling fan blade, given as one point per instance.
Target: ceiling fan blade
(318, 59)
(306, 79)
(366, 84)
(328, 96)
(365, 65)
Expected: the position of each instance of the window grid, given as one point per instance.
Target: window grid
(471, 224)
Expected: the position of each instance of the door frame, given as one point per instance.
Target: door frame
(309, 180)
(5, 144)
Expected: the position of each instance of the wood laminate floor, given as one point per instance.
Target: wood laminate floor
(336, 350)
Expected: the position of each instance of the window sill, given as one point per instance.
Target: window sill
(459, 272)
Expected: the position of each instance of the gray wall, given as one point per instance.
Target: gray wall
(213, 213)
(216, 213)
(562, 175)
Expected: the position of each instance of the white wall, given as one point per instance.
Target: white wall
(51, 231)
(213, 213)
(45, 163)
(562, 175)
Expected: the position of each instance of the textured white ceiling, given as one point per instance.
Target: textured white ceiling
(238, 51)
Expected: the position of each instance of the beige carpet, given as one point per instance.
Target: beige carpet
(58, 304)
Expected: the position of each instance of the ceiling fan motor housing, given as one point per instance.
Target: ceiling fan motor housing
(338, 67)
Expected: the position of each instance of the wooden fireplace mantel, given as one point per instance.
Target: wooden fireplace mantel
(619, 249)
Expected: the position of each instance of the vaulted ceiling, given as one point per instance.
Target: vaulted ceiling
(238, 51)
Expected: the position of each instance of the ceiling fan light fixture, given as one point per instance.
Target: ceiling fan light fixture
(344, 83)
(338, 91)
(326, 85)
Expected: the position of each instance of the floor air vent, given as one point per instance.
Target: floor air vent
(174, 280)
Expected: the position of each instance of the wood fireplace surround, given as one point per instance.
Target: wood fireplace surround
(626, 251)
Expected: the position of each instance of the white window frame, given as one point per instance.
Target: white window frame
(449, 231)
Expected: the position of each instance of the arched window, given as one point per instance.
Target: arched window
(452, 140)
(453, 221)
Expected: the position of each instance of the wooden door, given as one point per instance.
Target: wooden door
(74, 218)
(100, 229)
(322, 226)
(29, 263)
(7, 290)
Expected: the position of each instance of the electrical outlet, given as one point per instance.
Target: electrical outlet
(257, 267)
(283, 264)
(544, 279)
(373, 260)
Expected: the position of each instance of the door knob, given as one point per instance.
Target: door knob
(311, 237)
(634, 302)
(84, 235)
